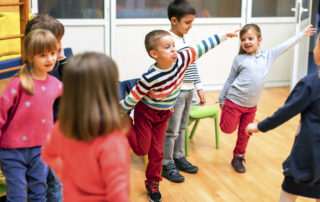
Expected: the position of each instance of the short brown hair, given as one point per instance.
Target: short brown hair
(44, 21)
(152, 37)
(90, 105)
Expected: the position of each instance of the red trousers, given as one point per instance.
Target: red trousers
(233, 115)
(146, 137)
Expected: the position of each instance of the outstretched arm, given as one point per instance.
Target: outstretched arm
(278, 50)
(298, 100)
(206, 45)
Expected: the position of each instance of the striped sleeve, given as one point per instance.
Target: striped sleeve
(207, 44)
(136, 94)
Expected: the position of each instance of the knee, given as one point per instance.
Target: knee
(226, 128)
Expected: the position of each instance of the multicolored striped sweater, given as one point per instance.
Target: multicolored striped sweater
(159, 88)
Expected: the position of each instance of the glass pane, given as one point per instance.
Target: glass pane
(272, 8)
(305, 5)
(71, 9)
(158, 8)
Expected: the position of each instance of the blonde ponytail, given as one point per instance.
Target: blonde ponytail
(25, 78)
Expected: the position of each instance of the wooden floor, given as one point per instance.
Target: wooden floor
(216, 180)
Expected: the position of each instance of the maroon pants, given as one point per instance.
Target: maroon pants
(146, 137)
(234, 115)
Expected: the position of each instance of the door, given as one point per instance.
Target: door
(301, 50)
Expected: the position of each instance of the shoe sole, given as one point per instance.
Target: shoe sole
(188, 171)
(155, 201)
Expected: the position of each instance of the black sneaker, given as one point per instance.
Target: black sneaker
(185, 166)
(237, 163)
(171, 173)
(153, 192)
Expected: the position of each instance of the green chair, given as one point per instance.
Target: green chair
(3, 187)
(197, 113)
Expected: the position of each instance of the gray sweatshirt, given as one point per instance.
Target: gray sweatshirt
(246, 80)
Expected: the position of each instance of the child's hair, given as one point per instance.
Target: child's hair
(180, 8)
(36, 42)
(244, 30)
(90, 104)
(44, 21)
(152, 37)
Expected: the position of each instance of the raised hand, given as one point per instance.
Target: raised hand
(310, 30)
(233, 34)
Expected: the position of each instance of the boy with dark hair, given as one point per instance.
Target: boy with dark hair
(54, 190)
(181, 15)
(154, 95)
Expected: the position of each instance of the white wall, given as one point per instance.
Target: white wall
(214, 67)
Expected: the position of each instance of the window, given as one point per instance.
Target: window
(72, 9)
(272, 8)
(158, 8)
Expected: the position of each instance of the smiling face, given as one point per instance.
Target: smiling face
(250, 42)
(182, 26)
(44, 62)
(164, 52)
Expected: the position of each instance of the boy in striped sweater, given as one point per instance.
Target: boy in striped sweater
(154, 95)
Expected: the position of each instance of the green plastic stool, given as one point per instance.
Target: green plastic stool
(197, 113)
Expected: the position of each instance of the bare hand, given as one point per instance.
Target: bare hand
(252, 128)
(221, 106)
(309, 30)
(233, 34)
(201, 97)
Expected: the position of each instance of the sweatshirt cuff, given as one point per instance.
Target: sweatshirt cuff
(223, 37)
(198, 86)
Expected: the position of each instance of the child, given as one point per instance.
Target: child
(181, 15)
(87, 147)
(243, 88)
(154, 95)
(302, 168)
(56, 27)
(26, 119)
(54, 191)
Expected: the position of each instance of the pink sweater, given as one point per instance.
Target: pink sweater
(25, 120)
(90, 171)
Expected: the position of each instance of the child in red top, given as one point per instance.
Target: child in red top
(87, 147)
(26, 118)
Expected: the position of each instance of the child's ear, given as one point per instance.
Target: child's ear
(174, 20)
(153, 54)
(259, 40)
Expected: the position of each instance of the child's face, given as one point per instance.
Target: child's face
(182, 26)
(250, 42)
(44, 62)
(316, 52)
(165, 52)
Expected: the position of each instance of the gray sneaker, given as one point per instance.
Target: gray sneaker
(171, 173)
(185, 166)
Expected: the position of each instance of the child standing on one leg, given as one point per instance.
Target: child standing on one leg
(26, 118)
(154, 95)
(181, 15)
(54, 191)
(88, 147)
(301, 169)
(243, 88)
